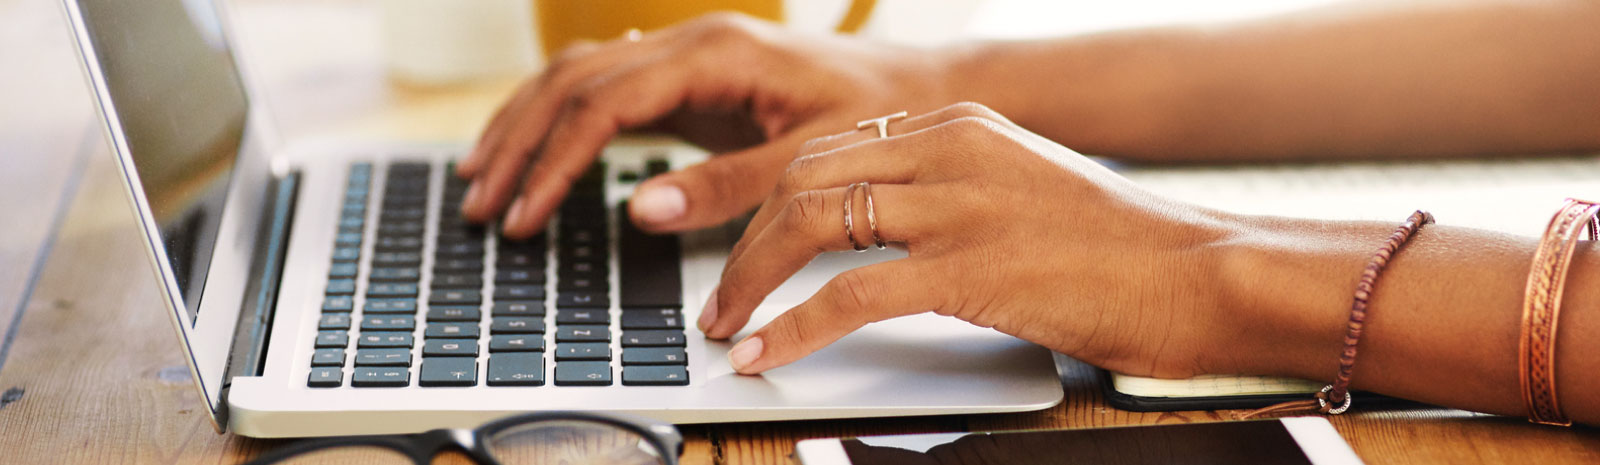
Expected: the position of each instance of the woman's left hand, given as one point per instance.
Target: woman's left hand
(1004, 229)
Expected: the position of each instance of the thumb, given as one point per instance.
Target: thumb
(712, 192)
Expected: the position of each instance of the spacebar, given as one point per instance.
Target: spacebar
(650, 269)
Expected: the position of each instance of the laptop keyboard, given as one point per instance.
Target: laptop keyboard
(480, 309)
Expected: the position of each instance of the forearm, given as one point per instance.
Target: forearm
(1444, 320)
(1360, 80)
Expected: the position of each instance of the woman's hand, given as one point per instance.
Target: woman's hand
(729, 83)
(1005, 229)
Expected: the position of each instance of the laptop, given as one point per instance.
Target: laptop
(332, 289)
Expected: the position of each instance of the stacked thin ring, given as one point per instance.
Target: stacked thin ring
(849, 217)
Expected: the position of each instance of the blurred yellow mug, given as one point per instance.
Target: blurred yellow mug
(563, 21)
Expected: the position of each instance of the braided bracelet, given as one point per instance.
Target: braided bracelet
(1334, 398)
(1541, 309)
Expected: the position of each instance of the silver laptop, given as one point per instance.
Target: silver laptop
(326, 289)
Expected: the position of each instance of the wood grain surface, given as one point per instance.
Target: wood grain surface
(95, 374)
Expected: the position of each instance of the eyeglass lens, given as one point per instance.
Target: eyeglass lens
(572, 442)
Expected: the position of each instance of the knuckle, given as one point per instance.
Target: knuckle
(852, 290)
(585, 96)
(795, 176)
(973, 109)
(805, 211)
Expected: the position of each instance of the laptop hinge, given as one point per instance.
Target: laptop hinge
(249, 350)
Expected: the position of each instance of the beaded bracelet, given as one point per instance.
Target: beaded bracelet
(1335, 398)
(1541, 309)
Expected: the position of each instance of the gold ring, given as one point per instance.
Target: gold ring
(881, 122)
(633, 35)
(872, 216)
(849, 220)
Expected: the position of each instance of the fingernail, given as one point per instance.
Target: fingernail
(513, 216)
(471, 199)
(660, 204)
(708, 315)
(744, 353)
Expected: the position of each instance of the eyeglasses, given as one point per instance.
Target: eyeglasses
(536, 438)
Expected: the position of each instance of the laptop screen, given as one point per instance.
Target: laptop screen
(182, 109)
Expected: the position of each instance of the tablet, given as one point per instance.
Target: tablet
(1301, 440)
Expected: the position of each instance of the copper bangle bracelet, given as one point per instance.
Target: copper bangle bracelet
(1541, 309)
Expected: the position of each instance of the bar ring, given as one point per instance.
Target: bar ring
(882, 122)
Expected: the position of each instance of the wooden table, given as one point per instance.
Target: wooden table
(93, 374)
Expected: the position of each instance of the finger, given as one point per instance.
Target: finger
(516, 109)
(849, 301)
(810, 224)
(502, 155)
(902, 126)
(591, 117)
(891, 160)
(711, 192)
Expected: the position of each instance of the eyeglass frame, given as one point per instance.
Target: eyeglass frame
(422, 447)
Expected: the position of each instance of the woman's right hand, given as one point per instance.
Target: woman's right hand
(749, 90)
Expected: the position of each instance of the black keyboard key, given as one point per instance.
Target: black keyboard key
(532, 244)
(327, 358)
(579, 299)
(653, 338)
(390, 306)
(388, 323)
(326, 377)
(458, 281)
(655, 376)
(347, 240)
(380, 377)
(520, 259)
(328, 339)
(338, 303)
(452, 330)
(450, 348)
(650, 273)
(516, 369)
(656, 166)
(351, 223)
(664, 318)
(447, 265)
(455, 297)
(519, 292)
(341, 286)
(583, 374)
(400, 228)
(582, 316)
(383, 339)
(572, 236)
(535, 309)
(448, 371)
(334, 321)
(654, 356)
(444, 313)
(653, 318)
(519, 276)
(583, 252)
(343, 270)
(383, 357)
(584, 283)
(581, 267)
(403, 214)
(516, 325)
(516, 343)
(399, 244)
(583, 333)
(583, 351)
(346, 254)
(392, 290)
(396, 259)
(395, 274)
(461, 249)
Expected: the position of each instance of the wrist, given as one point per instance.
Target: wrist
(1285, 289)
